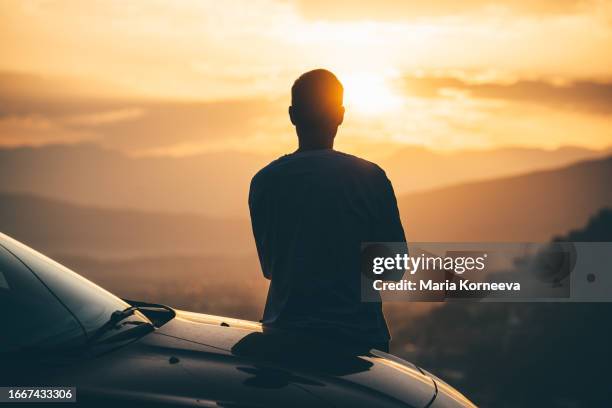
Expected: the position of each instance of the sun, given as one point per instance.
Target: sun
(369, 94)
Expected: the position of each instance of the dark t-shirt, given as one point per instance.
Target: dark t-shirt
(310, 212)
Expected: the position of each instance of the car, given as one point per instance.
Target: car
(59, 329)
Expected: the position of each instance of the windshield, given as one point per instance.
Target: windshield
(31, 317)
(91, 304)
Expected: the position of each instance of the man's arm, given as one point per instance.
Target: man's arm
(389, 225)
(258, 224)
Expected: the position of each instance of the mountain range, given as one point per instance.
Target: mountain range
(526, 208)
(216, 184)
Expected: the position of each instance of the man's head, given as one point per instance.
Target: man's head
(316, 108)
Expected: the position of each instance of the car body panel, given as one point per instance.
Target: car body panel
(397, 380)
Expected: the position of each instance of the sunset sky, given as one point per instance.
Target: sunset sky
(183, 77)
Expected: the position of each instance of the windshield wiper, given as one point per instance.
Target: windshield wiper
(116, 317)
(157, 314)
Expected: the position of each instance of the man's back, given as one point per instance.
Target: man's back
(310, 212)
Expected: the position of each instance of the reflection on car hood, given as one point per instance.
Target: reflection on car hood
(380, 374)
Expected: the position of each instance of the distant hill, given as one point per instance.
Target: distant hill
(416, 168)
(56, 227)
(531, 207)
(216, 184)
(213, 184)
(598, 229)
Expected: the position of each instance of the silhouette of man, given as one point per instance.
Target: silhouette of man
(310, 212)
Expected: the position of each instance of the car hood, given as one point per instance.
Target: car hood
(380, 374)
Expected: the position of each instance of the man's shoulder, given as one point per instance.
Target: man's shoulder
(361, 163)
(272, 172)
(358, 168)
(269, 168)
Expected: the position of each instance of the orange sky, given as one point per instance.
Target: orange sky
(216, 75)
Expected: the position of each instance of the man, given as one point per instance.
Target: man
(310, 212)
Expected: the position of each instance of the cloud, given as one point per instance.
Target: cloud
(165, 124)
(36, 130)
(393, 10)
(101, 118)
(585, 95)
(51, 111)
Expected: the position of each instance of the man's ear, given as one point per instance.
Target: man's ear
(341, 115)
(292, 115)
